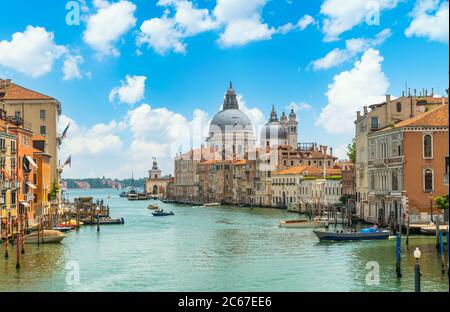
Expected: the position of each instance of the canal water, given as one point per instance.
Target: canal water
(211, 249)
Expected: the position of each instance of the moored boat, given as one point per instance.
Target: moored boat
(325, 219)
(105, 221)
(300, 223)
(430, 229)
(48, 236)
(151, 206)
(349, 236)
(211, 205)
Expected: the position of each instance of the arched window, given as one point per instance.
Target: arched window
(399, 107)
(427, 146)
(428, 180)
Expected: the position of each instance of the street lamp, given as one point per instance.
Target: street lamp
(98, 218)
(431, 206)
(417, 255)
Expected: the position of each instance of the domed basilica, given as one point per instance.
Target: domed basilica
(231, 134)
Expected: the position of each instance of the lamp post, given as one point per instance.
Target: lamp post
(417, 255)
(97, 210)
(431, 206)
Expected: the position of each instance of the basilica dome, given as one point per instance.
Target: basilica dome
(230, 118)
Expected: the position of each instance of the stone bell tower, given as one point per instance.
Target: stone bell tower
(292, 129)
(154, 173)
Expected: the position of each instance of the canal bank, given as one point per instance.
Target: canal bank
(211, 249)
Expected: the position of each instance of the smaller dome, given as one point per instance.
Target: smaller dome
(292, 114)
(273, 130)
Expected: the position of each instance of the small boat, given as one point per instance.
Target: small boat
(62, 228)
(123, 194)
(364, 234)
(105, 221)
(430, 229)
(162, 213)
(71, 223)
(300, 223)
(211, 205)
(50, 236)
(325, 219)
(152, 206)
(132, 195)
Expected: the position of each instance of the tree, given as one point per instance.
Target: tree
(442, 201)
(351, 151)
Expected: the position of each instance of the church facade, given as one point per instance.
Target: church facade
(231, 168)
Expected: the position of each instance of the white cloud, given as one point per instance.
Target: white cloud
(32, 52)
(364, 84)
(302, 106)
(242, 20)
(162, 35)
(243, 31)
(131, 91)
(353, 48)
(430, 20)
(81, 141)
(166, 33)
(341, 16)
(109, 24)
(304, 22)
(71, 68)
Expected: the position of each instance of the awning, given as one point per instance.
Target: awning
(25, 204)
(31, 185)
(31, 161)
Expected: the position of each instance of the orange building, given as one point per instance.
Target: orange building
(408, 167)
(42, 176)
(24, 171)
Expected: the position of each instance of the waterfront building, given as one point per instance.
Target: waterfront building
(408, 166)
(156, 184)
(42, 178)
(348, 179)
(302, 186)
(40, 114)
(380, 116)
(8, 182)
(186, 187)
(232, 170)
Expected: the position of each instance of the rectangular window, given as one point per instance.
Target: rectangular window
(42, 114)
(43, 130)
(394, 179)
(374, 122)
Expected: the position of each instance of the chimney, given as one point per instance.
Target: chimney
(8, 82)
(331, 151)
(409, 91)
(388, 98)
(365, 110)
(403, 93)
(432, 92)
(358, 114)
(415, 92)
(325, 150)
(426, 92)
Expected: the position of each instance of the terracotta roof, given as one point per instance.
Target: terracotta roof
(16, 92)
(308, 171)
(437, 117)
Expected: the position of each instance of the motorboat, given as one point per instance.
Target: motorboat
(47, 236)
(162, 213)
(62, 228)
(300, 223)
(211, 204)
(105, 221)
(132, 194)
(330, 220)
(123, 194)
(151, 206)
(364, 234)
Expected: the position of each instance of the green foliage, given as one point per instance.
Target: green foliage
(442, 201)
(55, 190)
(105, 182)
(351, 151)
(344, 199)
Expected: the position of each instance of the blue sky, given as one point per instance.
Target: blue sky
(180, 55)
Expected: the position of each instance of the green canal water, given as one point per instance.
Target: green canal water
(211, 249)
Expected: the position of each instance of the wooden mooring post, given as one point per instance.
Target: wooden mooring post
(398, 255)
